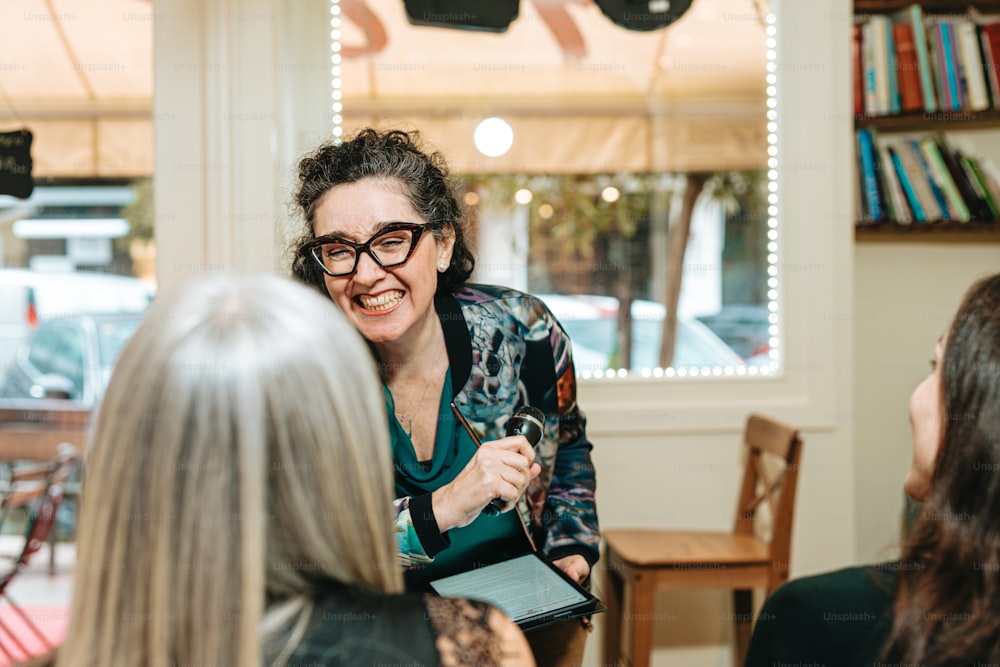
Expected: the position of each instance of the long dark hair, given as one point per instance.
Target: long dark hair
(947, 608)
(393, 154)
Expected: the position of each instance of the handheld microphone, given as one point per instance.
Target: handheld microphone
(529, 422)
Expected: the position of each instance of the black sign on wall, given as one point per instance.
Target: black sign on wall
(643, 14)
(15, 164)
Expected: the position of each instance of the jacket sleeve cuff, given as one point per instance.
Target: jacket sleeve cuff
(425, 525)
(574, 550)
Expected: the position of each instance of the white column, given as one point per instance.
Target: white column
(242, 89)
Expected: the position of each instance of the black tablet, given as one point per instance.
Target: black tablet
(528, 588)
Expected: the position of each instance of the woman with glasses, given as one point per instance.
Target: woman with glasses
(385, 240)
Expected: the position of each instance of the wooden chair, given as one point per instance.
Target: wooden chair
(638, 562)
(32, 435)
(38, 489)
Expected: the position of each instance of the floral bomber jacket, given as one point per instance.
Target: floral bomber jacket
(507, 349)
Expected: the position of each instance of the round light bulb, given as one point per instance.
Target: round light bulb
(493, 137)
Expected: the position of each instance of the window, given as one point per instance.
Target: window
(622, 149)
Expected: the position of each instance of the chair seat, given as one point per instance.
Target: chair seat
(655, 548)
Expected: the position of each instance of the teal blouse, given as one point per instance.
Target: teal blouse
(488, 538)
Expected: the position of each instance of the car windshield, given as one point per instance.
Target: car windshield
(112, 336)
(599, 336)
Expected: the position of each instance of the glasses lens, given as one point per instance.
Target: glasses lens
(336, 257)
(392, 247)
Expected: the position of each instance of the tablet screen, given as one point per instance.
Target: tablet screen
(523, 587)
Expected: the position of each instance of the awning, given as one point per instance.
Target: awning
(581, 93)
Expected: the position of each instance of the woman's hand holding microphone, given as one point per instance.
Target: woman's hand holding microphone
(495, 478)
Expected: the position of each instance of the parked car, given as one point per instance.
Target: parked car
(69, 357)
(28, 298)
(591, 322)
(744, 327)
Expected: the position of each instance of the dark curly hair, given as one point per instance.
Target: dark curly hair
(392, 154)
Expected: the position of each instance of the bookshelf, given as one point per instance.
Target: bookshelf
(894, 217)
(948, 121)
(882, 6)
(941, 231)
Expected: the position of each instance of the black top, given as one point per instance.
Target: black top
(837, 619)
(354, 628)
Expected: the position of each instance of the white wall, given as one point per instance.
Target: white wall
(242, 89)
(905, 296)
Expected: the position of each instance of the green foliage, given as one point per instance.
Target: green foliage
(139, 215)
(569, 208)
(738, 190)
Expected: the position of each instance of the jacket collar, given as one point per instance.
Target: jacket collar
(456, 339)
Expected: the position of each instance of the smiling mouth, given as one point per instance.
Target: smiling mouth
(383, 301)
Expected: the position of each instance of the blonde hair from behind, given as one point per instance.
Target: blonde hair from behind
(240, 457)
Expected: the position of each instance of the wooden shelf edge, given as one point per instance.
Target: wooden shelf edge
(934, 232)
(938, 121)
(881, 6)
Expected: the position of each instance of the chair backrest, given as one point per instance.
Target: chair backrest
(770, 477)
(32, 430)
(42, 498)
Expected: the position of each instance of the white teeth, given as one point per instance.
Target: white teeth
(382, 301)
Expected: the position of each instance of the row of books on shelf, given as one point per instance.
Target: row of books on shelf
(922, 178)
(910, 62)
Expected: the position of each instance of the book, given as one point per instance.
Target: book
(880, 32)
(991, 180)
(908, 68)
(953, 73)
(978, 182)
(961, 81)
(944, 65)
(971, 62)
(913, 16)
(859, 71)
(976, 205)
(868, 64)
(935, 188)
(918, 180)
(869, 179)
(892, 67)
(897, 205)
(858, 189)
(957, 207)
(913, 201)
(936, 62)
(990, 35)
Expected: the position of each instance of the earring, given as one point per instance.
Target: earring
(442, 267)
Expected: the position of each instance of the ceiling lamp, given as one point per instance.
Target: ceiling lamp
(493, 137)
(493, 16)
